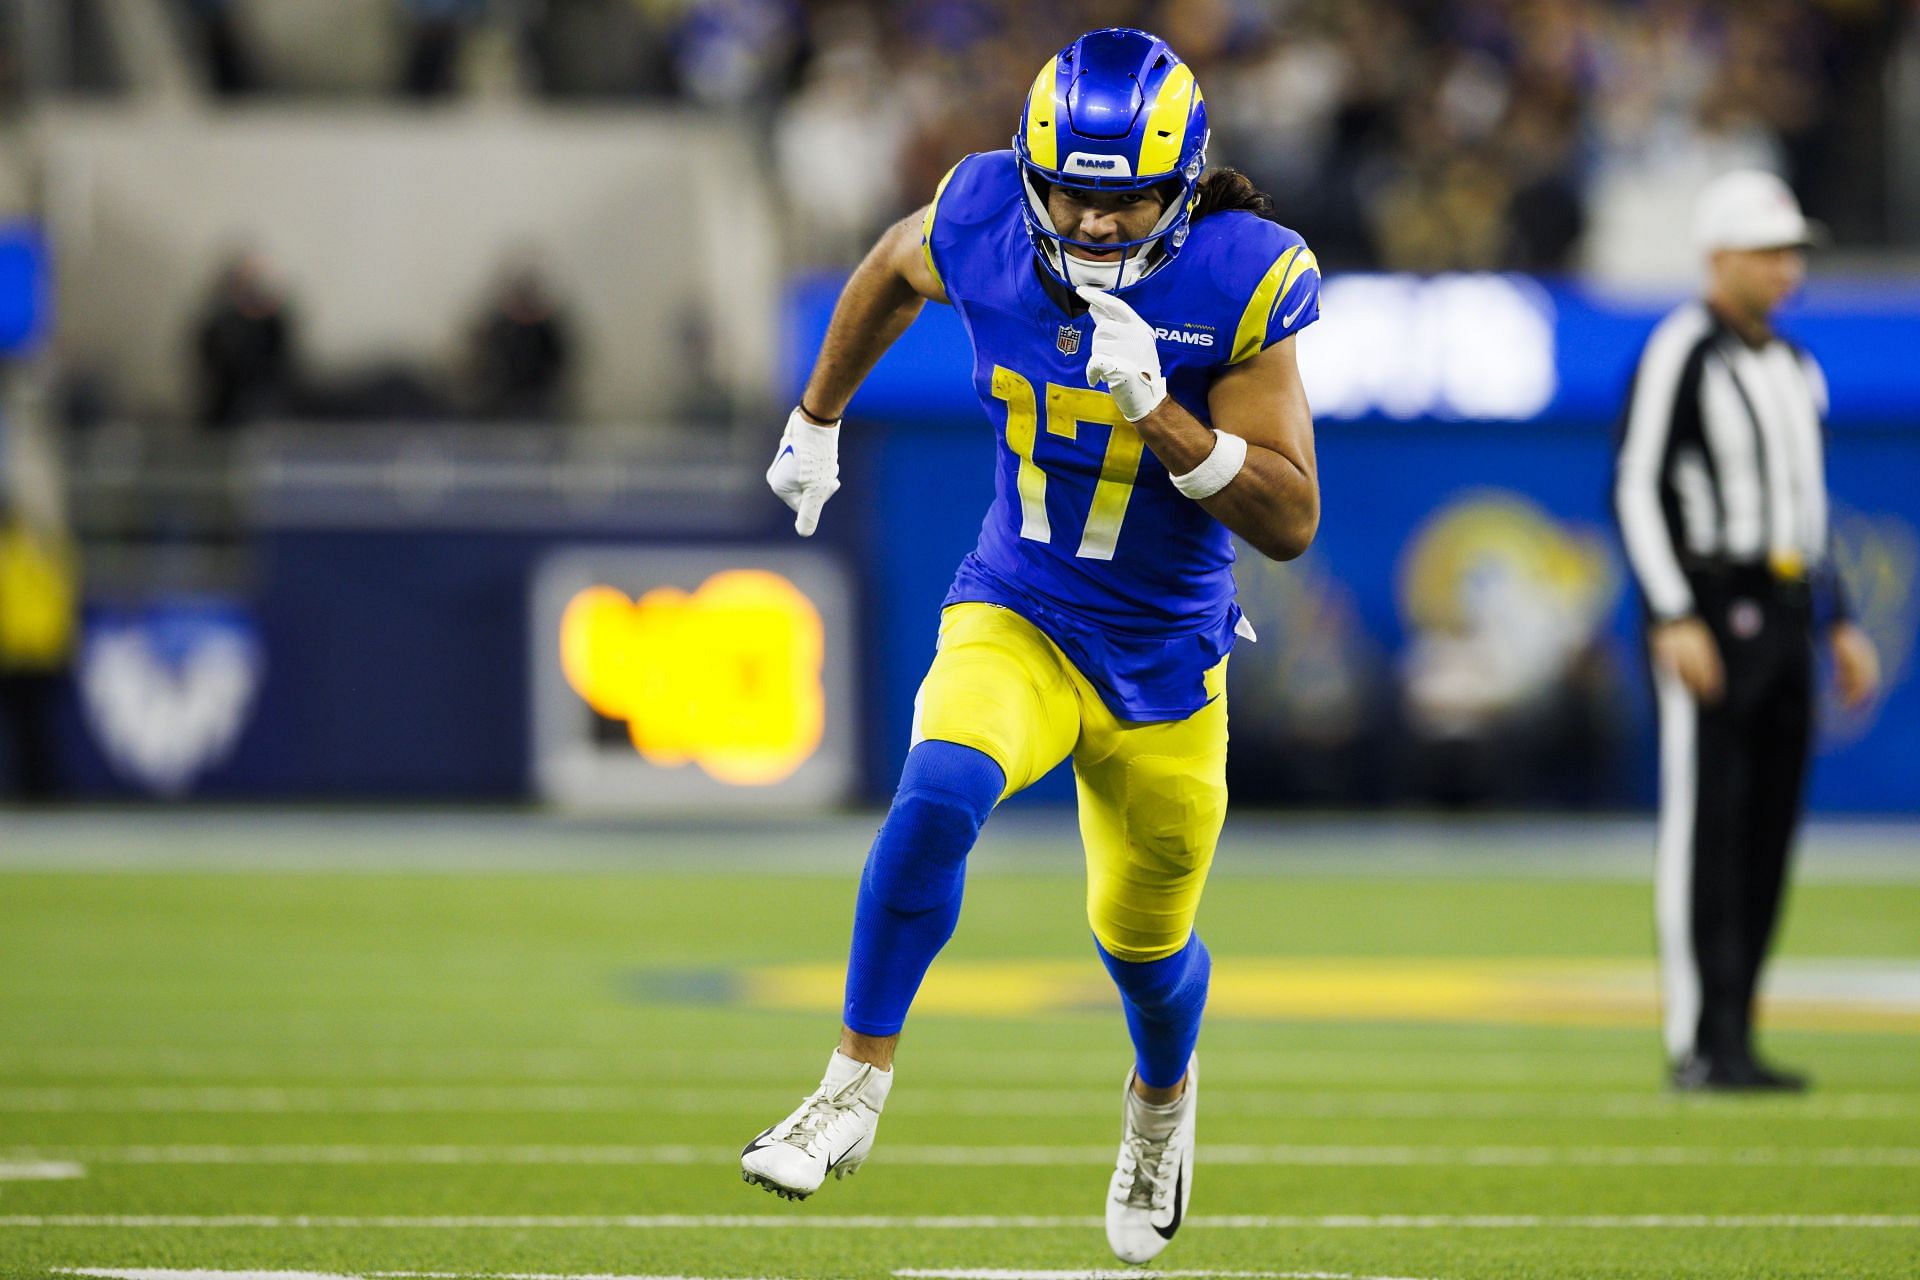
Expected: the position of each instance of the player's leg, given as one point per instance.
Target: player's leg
(1700, 884)
(994, 713)
(1152, 801)
(910, 889)
(1781, 736)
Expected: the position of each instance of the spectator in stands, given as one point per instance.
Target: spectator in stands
(735, 53)
(836, 143)
(229, 69)
(435, 32)
(244, 346)
(521, 351)
(38, 624)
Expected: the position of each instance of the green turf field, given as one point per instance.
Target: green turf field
(542, 1059)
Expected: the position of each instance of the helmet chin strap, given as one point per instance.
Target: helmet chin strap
(1110, 276)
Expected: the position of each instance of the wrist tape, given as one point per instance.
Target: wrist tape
(1221, 466)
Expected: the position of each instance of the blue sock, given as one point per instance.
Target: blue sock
(910, 891)
(1163, 1000)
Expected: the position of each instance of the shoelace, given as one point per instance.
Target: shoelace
(821, 1111)
(1142, 1163)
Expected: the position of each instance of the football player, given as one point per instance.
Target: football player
(1132, 327)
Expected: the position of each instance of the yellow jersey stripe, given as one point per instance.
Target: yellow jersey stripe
(1166, 123)
(1251, 335)
(1042, 145)
(926, 228)
(1302, 263)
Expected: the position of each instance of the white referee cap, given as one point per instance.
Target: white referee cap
(1751, 209)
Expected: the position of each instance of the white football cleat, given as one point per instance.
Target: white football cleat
(831, 1131)
(1153, 1178)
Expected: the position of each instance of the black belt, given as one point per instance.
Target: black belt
(1786, 583)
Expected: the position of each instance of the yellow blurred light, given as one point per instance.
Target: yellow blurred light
(727, 678)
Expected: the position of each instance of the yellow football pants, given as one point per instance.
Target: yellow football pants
(1152, 796)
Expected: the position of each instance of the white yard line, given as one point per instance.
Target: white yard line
(1000, 1273)
(909, 1154)
(272, 1099)
(28, 1169)
(918, 1273)
(1442, 1104)
(974, 1222)
(170, 1273)
(579, 1065)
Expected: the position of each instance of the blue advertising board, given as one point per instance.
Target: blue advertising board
(1494, 348)
(25, 287)
(1464, 532)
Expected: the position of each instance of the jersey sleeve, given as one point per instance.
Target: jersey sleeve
(1283, 277)
(928, 225)
(968, 196)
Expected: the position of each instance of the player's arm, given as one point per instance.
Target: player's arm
(879, 301)
(1254, 469)
(1273, 501)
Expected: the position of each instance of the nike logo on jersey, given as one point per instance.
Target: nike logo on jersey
(784, 452)
(1182, 337)
(1293, 315)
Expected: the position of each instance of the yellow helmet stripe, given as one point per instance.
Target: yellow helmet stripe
(1167, 123)
(1251, 335)
(1042, 146)
(926, 227)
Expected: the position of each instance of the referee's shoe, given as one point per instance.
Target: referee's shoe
(1741, 1073)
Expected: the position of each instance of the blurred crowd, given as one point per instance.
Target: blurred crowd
(1405, 134)
(248, 364)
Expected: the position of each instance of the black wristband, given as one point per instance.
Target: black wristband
(819, 419)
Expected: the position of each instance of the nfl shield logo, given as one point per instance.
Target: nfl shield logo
(1068, 340)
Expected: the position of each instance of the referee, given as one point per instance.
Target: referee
(1721, 495)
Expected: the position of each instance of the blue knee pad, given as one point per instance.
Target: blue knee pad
(910, 891)
(1163, 1000)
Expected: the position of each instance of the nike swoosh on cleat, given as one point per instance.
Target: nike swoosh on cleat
(759, 1142)
(834, 1163)
(1179, 1185)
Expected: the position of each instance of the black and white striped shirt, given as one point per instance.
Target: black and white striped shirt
(1721, 460)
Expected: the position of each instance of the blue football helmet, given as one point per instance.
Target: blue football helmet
(1116, 110)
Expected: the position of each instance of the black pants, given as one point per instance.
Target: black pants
(1731, 776)
(29, 704)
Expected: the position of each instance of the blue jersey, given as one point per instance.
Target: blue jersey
(1087, 537)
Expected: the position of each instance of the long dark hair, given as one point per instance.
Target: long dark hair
(1223, 189)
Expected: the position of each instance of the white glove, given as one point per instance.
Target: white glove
(1125, 356)
(806, 469)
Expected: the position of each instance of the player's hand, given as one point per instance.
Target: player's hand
(1125, 355)
(1856, 664)
(1685, 648)
(806, 469)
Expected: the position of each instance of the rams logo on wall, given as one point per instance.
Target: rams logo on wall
(1500, 600)
(166, 690)
(1879, 561)
(678, 678)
